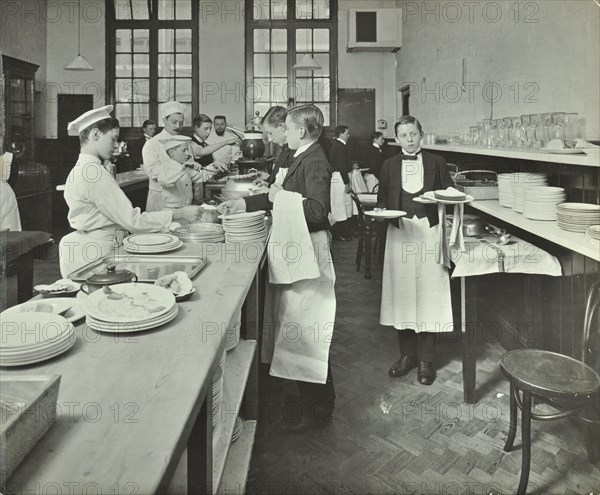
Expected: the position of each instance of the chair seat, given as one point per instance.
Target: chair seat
(549, 374)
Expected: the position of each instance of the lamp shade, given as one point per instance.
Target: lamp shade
(306, 63)
(79, 63)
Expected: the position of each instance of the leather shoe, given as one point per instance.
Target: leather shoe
(403, 366)
(426, 373)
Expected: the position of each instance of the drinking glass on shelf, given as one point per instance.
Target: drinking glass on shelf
(558, 119)
(570, 126)
(518, 133)
(526, 134)
(508, 128)
(480, 134)
(473, 133)
(487, 133)
(536, 130)
(546, 130)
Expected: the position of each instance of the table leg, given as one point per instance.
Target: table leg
(200, 459)
(24, 265)
(468, 308)
(368, 235)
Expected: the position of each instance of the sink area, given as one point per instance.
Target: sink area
(27, 411)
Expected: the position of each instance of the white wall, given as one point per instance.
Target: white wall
(368, 70)
(544, 57)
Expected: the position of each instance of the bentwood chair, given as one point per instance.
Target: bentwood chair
(566, 384)
(367, 229)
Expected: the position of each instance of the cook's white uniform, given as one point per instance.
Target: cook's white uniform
(100, 213)
(415, 288)
(9, 209)
(154, 156)
(177, 183)
(227, 153)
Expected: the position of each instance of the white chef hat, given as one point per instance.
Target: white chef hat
(176, 141)
(170, 107)
(88, 118)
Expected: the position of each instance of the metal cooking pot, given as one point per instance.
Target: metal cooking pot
(253, 146)
(110, 277)
(472, 225)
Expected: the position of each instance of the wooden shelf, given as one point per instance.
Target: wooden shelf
(237, 368)
(590, 160)
(235, 474)
(549, 230)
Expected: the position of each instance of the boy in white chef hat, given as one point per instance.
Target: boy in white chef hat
(178, 175)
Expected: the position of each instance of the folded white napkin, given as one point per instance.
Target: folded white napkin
(290, 249)
(457, 239)
(443, 257)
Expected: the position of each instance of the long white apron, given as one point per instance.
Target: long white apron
(155, 201)
(9, 209)
(299, 321)
(415, 289)
(78, 248)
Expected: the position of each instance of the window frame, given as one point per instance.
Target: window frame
(291, 24)
(153, 25)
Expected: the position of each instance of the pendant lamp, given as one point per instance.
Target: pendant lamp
(79, 63)
(307, 62)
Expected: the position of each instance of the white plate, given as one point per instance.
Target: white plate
(30, 330)
(429, 196)
(134, 249)
(243, 215)
(37, 358)
(579, 207)
(567, 151)
(149, 239)
(132, 327)
(386, 213)
(47, 291)
(141, 302)
(56, 305)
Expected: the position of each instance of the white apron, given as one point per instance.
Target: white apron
(155, 201)
(9, 210)
(79, 248)
(415, 288)
(299, 320)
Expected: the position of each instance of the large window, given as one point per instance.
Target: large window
(150, 43)
(280, 33)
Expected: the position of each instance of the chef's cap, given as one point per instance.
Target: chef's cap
(88, 118)
(170, 107)
(176, 141)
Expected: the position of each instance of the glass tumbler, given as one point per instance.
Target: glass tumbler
(558, 119)
(570, 126)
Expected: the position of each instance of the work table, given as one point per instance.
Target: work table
(130, 404)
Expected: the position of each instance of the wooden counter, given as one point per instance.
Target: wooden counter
(129, 405)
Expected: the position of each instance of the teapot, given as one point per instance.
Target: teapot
(253, 145)
(110, 277)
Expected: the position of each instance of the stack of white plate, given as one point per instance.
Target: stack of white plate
(151, 243)
(201, 232)
(593, 231)
(131, 307)
(232, 335)
(577, 217)
(217, 395)
(521, 180)
(505, 194)
(244, 227)
(29, 338)
(237, 430)
(540, 202)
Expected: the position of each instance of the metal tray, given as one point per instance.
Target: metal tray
(147, 268)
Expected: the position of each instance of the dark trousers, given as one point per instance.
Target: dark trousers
(420, 346)
(341, 229)
(321, 395)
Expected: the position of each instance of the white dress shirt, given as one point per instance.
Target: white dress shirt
(412, 173)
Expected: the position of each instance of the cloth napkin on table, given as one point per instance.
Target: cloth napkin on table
(290, 249)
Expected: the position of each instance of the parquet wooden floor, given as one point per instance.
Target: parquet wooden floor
(394, 436)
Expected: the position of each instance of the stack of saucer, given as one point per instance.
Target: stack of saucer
(217, 395)
(130, 307)
(540, 202)
(29, 338)
(201, 232)
(520, 181)
(577, 217)
(232, 335)
(245, 227)
(237, 430)
(505, 195)
(151, 243)
(593, 231)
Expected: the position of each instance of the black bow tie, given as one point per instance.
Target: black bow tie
(411, 157)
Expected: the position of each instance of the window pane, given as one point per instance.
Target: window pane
(321, 40)
(123, 90)
(303, 89)
(184, 90)
(279, 65)
(262, 108)
(141, 65)
(123, 114)
(123, 66)
(141, 90)
(303, 9)
(325, 108)
(261, 40)
(278, 9)
(183, 40)
(303, 40)
(321, 88)
(165, 40)
(141, 40)
(140, 113)
(321, 10)
(260, 90)
(183, 9)
(323, 60)
(184, 65)
(124, 10)
(166, 65)
(260, 9)
(166, 89)
(279, 40)
(278, 89)
(166, 9)
(123, 38)
(261, 65)
(187, 113)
